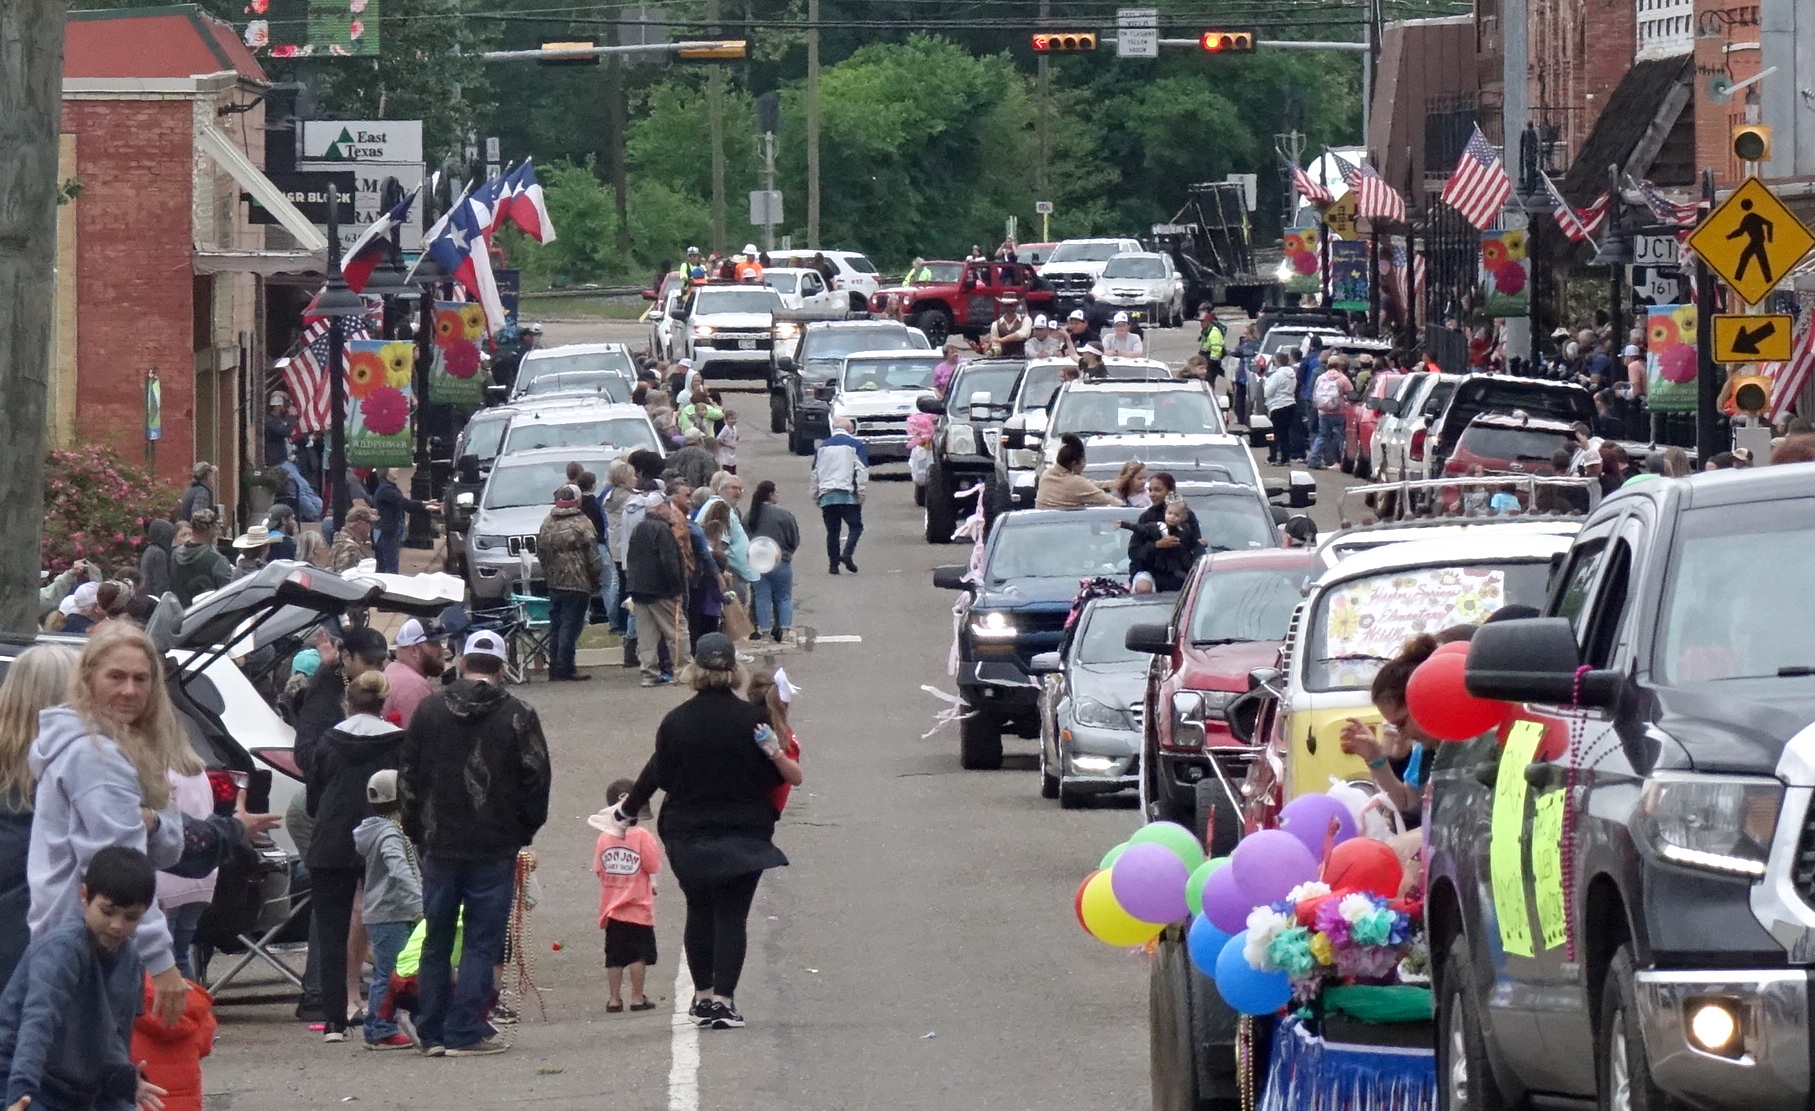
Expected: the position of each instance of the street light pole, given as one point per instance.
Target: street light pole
(336, 303)
(813, 124)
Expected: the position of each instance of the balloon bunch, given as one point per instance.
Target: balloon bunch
(1142, 885)
(1438, 698)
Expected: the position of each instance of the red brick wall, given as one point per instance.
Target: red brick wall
(1580, 49)
(1715, 54)
(133, 283)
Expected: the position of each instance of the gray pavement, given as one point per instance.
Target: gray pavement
(920, 953)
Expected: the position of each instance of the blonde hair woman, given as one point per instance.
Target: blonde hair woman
(1131, 484)
(35, 682)
(102, 763)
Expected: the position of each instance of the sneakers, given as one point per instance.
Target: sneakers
(395, 1041)
(716, 1015)
(652, 681)
(484, 1048)
(698, 1014)
(833, 567)
(334, 1033)
(434, 1051)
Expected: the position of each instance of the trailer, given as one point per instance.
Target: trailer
(1210, 242)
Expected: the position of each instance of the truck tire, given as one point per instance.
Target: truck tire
(941, 515)
(936, 323)
(778, 413)
(1464, 1082)
(996, 501)
(1049, 782)
(980, 743)
(1191, 1035)
(860, 304)
(1619, 1057)
(798, 442)
(1217, 823)
(919, 496)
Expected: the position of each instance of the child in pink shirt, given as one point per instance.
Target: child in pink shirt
(625, 866)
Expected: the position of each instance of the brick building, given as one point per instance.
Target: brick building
(158, 266)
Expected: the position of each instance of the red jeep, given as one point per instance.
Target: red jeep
(961, 298)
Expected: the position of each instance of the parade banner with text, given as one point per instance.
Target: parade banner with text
(379, 373)
(1349, 275)
(1670, 359)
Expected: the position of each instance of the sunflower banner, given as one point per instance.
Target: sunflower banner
(1670, 358)
(1505, 273)
(454, 376)
(1301, 259)
(379, 373)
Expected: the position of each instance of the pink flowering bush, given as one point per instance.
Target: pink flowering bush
(95, 508)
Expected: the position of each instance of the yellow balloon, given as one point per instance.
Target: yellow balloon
(1108, 922)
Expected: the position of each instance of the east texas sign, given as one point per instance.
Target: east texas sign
(360, 141)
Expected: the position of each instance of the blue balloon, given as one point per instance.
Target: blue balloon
(1246, 988)
(1205, 943)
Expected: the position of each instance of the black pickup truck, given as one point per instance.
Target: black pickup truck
(1629, 863)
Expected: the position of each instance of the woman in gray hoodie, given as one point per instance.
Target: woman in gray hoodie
(154, 561)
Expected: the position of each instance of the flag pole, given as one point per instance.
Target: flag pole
(337, 383)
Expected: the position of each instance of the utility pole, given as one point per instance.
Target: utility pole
(813, 123)
(614, 123)
(715, 110)
(1043, 89)
(1515, 114)
(31, 78)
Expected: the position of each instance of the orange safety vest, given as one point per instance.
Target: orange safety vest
(751, 271)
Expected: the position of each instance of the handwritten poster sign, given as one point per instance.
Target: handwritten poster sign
(1506, 839)
(1374, 616)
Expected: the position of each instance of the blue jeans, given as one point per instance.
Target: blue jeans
(567, 611)
(772, 599)
(1327, 448)
(453, 1010)
(389, 551)
(183, 921)
(308, 502)
(388, 940)
(608, 590)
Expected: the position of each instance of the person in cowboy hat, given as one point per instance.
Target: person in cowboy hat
(1009, 331)
(254, 547)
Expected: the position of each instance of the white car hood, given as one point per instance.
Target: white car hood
(760, 321)
(1094, 269)
(1147, 286)
(878, 403)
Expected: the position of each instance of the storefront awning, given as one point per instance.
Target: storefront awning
(256, 262)
(254, 181)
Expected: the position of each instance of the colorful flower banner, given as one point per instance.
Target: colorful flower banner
(454, 377)
(1301, 259)
(379, 373)
(1670, 360)
(1349, 275)
(1505, 273)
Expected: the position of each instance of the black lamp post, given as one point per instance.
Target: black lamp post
(1615, 252)
(336, 303)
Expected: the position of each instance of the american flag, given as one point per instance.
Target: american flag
(1301, 181)
(1402, 275)
(1665, 209)
(1788, 379)
(1374, 198)
(307, 374)
(1479, 187)
(1578, 224)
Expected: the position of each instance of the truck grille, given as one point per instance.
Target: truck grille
(1138, 711)
(517, 545)
(1071, 285)
(735, 341)
(882, 426)
(1802, 868)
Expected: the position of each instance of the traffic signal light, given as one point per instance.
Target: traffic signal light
(1752, 142)
(1751, 393)
(1064, 42)
(728, 50)
(1227, 42)
(576, 60)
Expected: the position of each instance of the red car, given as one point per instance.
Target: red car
(961, 298)
(1231, 620)
(1363, 418)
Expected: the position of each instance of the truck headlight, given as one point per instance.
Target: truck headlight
(1088, 711)
(993, 625)
(702, 330)
(787, 330)
(487, 543)
(960, 439)
(1718, 823)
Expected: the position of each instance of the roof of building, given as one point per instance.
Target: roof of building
(175, 41)
(1631, 112)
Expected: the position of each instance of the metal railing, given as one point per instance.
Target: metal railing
(1443, 501)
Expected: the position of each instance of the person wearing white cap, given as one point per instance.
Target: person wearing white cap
(420, 659)
(1121, 341)
(473, 780)
(1046, 342)
(695, 269)
(80, 611)
(749, 267)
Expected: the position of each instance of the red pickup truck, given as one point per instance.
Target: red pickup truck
(961, 298)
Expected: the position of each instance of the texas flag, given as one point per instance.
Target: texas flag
(460, 248)
(524, 204)
(368, 252)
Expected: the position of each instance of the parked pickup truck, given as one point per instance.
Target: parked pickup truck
(944, 299)
(1625, 864)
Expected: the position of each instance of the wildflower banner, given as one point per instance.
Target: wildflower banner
(1505, 273)
(379, 373)
(1301, 259)
(454, 377)
(1670, 362)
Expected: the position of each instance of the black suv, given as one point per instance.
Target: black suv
(1629, 863)
(801, 388)
(965, 440)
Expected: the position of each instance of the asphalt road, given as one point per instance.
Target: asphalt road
(920, 952)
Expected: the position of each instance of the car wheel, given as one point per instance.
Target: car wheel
(1215, 820)
(778, 413)
(859, 303)
(919, 496)
(996, 501)
(1049, 783)
(1622, 1070)
(980, 743)
(936, 323)
(941, 514)
(798, 442)
(1463, 1080)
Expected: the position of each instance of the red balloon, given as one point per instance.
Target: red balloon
(1077, 901)
(1364, 864)
(1306, 910)
(1453, 648)
(1441, 705)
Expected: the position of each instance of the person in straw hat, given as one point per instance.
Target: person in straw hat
(254, 548)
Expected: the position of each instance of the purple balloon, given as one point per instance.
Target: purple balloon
(1308, 818)
(1224, 904)
(1267, 865)
(1149, 881)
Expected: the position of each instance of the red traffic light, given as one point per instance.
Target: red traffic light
(1227, 42)
(1064, 42)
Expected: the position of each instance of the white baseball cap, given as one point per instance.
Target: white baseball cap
(411, 633)
(1120, 318)
(85, 595)
(484, 643)
(1076, 314)
(1042, 322)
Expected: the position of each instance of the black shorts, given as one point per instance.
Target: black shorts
(627, 943)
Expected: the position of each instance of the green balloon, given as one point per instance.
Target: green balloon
(1110, 857)
(1194, 887)
(1173, 836)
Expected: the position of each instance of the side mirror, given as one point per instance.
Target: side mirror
(784, 364)
(467, 467)
(649, 295)
(951, 578)
(929, 404)
(1535, 659)
(1154, 639)
(465, 500)
(1045, 663)
(1264, 678)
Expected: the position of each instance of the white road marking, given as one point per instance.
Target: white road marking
(845, 638)
(684, 1060)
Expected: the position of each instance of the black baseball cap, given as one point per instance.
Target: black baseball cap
(715, 652)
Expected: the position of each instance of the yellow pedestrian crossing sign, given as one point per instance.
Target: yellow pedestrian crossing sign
(1751, 240)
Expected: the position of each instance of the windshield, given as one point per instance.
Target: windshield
(1437, 398)
(1068, 547)
(937, 273)
(833, 344)
(1085, 252)
(782, 283)
(1232, 522)
(484, 435)
(1362, 623)
(626, 433)
(1751, 617)
(1184, 462)
(1234, 606)
(1038, 385)
(1104, 639)
(1514, 445)
(525, 484)
(890, 374)
(1134, 266)
(1109, 413)
(612, 385)
(995, 381)
(533, 368)
(754, 299)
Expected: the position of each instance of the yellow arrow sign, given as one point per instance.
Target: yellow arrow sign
(1752, 339)
(1751, 241)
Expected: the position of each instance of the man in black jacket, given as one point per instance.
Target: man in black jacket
(473, 781)
(655, 571)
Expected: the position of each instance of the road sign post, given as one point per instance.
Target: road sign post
(1043, 209)
(1137, 33)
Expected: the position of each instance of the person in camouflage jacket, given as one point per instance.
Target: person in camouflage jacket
(568, 549)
